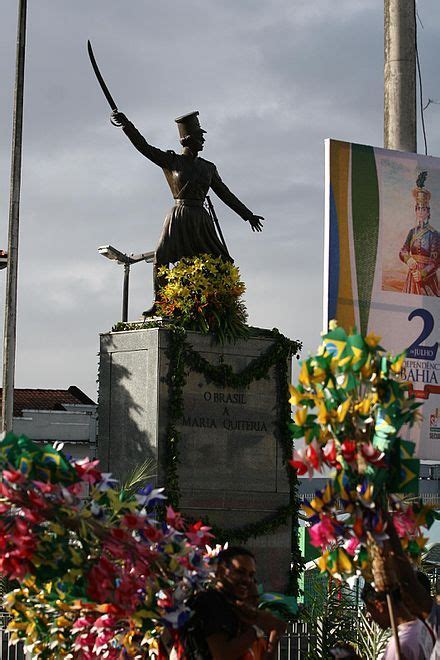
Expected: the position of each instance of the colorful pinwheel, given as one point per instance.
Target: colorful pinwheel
(98, 576)
(351, 407)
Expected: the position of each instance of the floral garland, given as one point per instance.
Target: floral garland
(204, 293)
(181, 356)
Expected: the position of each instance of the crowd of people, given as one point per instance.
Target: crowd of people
(228, 625)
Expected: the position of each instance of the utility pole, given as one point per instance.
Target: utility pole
(10, 327)
(400, 128)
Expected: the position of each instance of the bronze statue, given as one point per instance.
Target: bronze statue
(189, 229)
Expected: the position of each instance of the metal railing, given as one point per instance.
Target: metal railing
(297, 642)
(428, 498)
(9, 651)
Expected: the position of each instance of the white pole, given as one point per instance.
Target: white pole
(10, 327)
(400, 128)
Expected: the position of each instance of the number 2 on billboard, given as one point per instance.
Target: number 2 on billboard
(417, 350)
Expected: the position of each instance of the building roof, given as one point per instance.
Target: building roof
(39, 399)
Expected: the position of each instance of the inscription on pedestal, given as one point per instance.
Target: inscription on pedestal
(226, 416)
(244, 452)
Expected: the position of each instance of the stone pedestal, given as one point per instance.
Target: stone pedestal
(231, 468)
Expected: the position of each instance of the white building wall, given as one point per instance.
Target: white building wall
(75, 427)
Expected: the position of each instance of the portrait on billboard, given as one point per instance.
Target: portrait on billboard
(412, 266)
(382, 270)
(420, 251)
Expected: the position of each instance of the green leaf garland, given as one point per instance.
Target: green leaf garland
(181, 356)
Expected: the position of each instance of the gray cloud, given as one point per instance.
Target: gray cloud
(271, 79)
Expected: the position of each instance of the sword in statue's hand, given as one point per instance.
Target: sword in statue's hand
(115, 119)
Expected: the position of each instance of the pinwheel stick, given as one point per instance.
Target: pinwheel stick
(385, 578)
(394, 626)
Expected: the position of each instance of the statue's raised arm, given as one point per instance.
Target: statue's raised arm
(157, 156)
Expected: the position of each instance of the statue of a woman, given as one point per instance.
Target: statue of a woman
(189, 228)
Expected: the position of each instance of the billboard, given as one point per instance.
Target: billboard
(382, 263)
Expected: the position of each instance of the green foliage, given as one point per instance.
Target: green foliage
(335, 615)
(420, 183)
(204, 293)
(139, 477)
(372, 640)
(332, 617)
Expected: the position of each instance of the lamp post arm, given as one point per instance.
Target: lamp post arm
(145, 256)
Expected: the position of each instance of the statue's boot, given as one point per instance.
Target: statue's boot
(151, 311)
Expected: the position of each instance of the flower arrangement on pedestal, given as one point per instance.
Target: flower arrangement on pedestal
(98, 574)
(204, 293)
(351, 407)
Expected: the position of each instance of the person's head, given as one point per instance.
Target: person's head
(424, 581)
(236, 569)
(253, 596)
(190, 132)
(376, 605)
(423, 213)
(344, 650)
(194, 142)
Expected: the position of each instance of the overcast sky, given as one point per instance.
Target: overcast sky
(271, 79)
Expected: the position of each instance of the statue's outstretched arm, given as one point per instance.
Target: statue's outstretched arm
(222, 191)
(157, 156)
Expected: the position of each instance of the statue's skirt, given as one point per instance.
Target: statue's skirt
(188, 231)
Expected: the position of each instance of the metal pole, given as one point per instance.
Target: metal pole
(9, 339)
(125, 293)
(400, 128)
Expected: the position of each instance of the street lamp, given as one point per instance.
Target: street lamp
(3, 259)
(126, 259)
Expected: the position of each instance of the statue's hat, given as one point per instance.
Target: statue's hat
(189, 124)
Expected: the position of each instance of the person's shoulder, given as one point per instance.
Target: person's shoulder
(207, 163)
(208, 597)
(170, 155)
(409, 235)
(207, 594)
(414, 640)
(213, 610)
(434, 618)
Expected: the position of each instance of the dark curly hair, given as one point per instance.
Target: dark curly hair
(226, 556)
